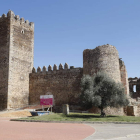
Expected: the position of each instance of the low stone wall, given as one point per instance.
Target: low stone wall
(108, 111)
(95, 110)
(132, 111)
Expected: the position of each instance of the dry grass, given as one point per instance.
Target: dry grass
(22, 113)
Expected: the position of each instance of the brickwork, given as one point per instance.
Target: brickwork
(16, 47)
(64, 84)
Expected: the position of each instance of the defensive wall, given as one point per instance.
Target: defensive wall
(64, 83)
(16, 60)
(124, 77)
(4, 59)
(134, 82)
(102, 58)
(21, 85)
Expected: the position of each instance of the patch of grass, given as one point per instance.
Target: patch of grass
(82, 117)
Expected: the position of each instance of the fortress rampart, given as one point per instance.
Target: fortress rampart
(64, 84)
(16, 56)
(102, 58)
(21, 85)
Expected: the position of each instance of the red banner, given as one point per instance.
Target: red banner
(48, 101)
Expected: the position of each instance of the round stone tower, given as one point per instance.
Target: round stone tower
(102, 58)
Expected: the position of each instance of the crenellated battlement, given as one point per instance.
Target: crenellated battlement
(62, 81)
(16, 18)
(54, 69)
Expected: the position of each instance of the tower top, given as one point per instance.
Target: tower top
(12, 16)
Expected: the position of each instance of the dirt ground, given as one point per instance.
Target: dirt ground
(21, 113)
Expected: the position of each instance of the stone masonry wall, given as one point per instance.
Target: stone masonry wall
(124, 77)
(108, 111)
(102, 58)
(134, 82)
(64, 84)
(20, 60)
(16, 62)
(138, 88)
(4, 59)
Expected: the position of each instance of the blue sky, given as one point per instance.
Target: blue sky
(64, 28)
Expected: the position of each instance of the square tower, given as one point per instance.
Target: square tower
(16, 60)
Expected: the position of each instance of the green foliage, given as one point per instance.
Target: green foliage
(87, 91)
(101, 91)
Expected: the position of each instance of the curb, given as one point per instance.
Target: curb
(125, 137)
(75, 122)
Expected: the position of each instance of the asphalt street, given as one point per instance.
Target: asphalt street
(115, 132)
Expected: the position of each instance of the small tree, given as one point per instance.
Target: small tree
(101, 91)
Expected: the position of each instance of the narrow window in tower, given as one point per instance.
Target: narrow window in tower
(22, 31)
(134, 88)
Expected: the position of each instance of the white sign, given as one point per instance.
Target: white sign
(46, 96)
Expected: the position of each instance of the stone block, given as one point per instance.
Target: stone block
(132, 111)
(65, 109)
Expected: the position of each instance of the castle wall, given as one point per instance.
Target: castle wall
(64, 84)
(138, 88)
(4, 59)
(20, 60)
(102, 58)
(124, 77)
(16, 62)
(134, 82)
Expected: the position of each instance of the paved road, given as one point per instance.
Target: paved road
(115, 132)
(11, 130)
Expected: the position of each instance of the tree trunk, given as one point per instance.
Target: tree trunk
(102, 112)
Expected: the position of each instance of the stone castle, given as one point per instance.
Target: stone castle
(22, 85)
